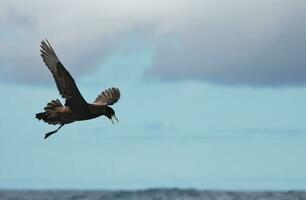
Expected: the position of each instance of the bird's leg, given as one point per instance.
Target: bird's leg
(52, 132)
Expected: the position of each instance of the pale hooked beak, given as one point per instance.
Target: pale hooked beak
(114, 118)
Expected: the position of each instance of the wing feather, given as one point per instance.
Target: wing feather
(64, 81)
(108, 97)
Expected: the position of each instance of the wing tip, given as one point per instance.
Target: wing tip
(46, 44)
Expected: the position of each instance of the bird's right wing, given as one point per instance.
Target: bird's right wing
(64, 81)
(108, 97)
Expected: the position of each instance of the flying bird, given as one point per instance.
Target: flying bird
(75, 108)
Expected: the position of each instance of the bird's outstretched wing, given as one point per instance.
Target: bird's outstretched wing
(108, 97)
(64, 81)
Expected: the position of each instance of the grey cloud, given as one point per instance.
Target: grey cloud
(262, 131)
(258, 43)
(83, 36)
(268, 50)
(158, 126)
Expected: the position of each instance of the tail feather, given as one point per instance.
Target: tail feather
(41, 115)
(53, 104)
(50, 115)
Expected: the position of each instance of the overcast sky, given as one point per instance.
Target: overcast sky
(213, 94)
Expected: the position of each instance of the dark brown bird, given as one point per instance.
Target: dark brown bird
(75, 108)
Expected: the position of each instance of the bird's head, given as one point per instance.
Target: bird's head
(110, 114)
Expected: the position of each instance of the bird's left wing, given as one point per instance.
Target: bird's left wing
(108, 97)
(64, 81)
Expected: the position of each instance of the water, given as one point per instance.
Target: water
(151, 194)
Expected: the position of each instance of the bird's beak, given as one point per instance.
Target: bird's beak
(114, 118)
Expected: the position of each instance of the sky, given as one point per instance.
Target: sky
(213, 94)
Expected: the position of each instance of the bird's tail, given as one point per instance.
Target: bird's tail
(50, 114)
(41, 115)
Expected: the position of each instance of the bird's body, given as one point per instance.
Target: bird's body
(64, 115)
(75, 108)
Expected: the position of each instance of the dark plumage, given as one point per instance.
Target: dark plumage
(75, 108)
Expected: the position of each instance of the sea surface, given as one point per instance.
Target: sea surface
(150, 194)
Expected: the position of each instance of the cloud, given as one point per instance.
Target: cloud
(83, 35)
(258, 43)
(241, 43)
(158, 126)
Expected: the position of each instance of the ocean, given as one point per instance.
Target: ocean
(149, 194)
